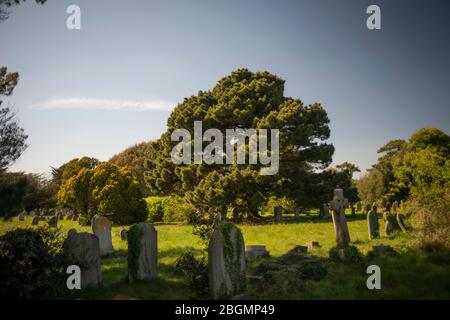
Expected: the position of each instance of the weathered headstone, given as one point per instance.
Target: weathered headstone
(142, 252)
(123, 235)
(101, 226)
(256, 251)
(226, 261)
(53, 222)
(359, 206)
(390, 224)
(313, 244)
(82, 249)
(372, 223)
(340, 223)
(22, 216)
(278, 211)
(395, 206)
(326, 210)
(35, 221)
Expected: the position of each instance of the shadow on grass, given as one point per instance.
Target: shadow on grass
(166, 285)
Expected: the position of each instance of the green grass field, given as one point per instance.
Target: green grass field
(410, 274)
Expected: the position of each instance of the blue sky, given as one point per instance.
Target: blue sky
(113, 83)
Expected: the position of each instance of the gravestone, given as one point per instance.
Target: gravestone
(32, 213)
(358, 206)
(82, 249)
(22, 216)
(53, 222)
(101, 226)
(123, 235)
(142, 252)
(372, 223)
(338, 214)
(390, 224)
(226, 261)
(278, 211)
(297, 214)
(71, 231)
(326, 210)
(387, 206)
(35, 221)
(313, 244)
(395, 206)
(256, 251)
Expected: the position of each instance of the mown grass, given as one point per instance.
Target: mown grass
(410, 274)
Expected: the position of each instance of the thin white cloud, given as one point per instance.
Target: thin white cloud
(86, 103)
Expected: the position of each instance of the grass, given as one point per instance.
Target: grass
(410, 274)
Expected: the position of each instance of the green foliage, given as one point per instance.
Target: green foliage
(12, 192)
(116, 191)
(288, 205)
(155, 208)
(351, 254)
(29, 269)
(104, 189)
(370, 187)
(244, 99)
(133, 158)
(195, 271)
(177, 209)
(134, 236)
(12, 137)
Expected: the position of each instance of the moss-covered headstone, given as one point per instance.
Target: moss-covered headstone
(226, 261)
(142, 252)
(372, 223)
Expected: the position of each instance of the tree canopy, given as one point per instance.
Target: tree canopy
(244, 99)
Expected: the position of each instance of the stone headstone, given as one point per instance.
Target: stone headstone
(142, 252)
(101, 226)
(226, 261)
(359, 206)
(390, 223)
(32, 213)
(82, 249)
(387, 206)
(123, 235)
(256, 251)
(340, 223)
(35, 221)
(372, 224)
(71, 231)
(313, 244)
(278, 211)
(395, 206)
(53, 222)
(22, 216)
(326, 210)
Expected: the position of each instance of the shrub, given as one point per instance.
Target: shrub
(288, 205)
(176, 209)
(195, 271)
(351, 254)
(29, 268)
(155, 208)
(311, 270)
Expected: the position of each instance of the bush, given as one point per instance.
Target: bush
(351, 254)
(176, 209)
(195, 271)
(312, 270)
(288, 205)
(155, 208)
(29, 268)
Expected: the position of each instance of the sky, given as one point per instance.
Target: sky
(112, 84)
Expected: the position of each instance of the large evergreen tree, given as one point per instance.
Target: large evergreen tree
(244, 100)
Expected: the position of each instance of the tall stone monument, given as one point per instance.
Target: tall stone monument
(338, 205)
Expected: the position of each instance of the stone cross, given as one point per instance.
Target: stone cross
(372, 223)
(226, 261)
(142, 252)
(82, 249)
(338, 205)
(101, 226)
